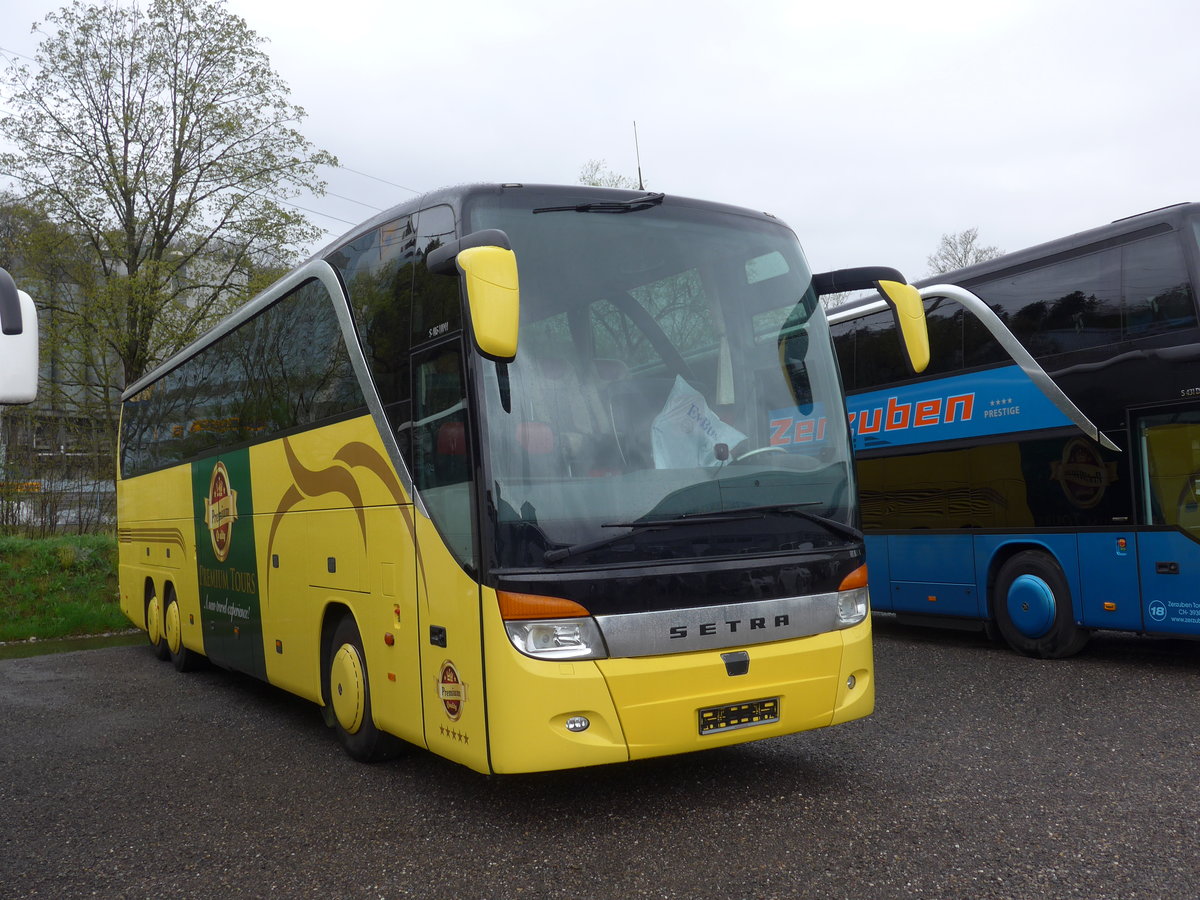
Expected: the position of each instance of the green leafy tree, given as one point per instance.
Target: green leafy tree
(161, 144)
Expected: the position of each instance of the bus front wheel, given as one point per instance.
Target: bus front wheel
(1031, 602)
(348, 696)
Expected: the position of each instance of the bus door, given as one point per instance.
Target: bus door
(1168, 446)
(447, 596)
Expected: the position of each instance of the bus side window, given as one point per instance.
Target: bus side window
(441, 460)
(1155, 287)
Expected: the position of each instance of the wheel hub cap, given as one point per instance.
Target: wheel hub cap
(1031, 606)
(347, 688)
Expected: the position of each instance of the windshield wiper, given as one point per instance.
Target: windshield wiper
(638, 528)
(793, 509)
(709, 518)
(633, 204)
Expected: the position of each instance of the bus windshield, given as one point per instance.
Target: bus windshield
(674, 393)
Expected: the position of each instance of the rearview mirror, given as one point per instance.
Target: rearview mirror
(18, 343)
(909, 313)
(489, 270)
(904, 300)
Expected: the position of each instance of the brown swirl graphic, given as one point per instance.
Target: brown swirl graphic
(338, 479)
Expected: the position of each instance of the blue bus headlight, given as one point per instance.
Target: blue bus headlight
(853, 606)
(558, 638)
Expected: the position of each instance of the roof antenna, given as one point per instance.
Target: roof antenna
(638, 153)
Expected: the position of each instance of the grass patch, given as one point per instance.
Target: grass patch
(59, 587)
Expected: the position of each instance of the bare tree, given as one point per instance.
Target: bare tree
(162, 140)
(596, 173)
(959, 250)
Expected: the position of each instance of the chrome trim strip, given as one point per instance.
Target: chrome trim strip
(719, 627)
(1022, 357)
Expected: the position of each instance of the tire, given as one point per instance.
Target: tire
(154, 627)
(1031, 602)
(348, 696)
(182, 658)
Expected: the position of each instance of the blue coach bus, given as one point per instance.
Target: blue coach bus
(988, 495)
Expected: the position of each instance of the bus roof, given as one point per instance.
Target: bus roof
(1120, 231)
(452, 195)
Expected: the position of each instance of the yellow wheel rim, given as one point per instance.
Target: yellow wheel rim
(347, 688)
(172, 629)
(154, 620)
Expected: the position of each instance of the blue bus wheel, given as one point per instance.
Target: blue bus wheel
(1031, 603)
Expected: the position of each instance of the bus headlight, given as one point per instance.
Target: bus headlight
(853, 606)
(558, 638)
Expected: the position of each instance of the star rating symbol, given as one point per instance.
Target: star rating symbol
(1003, 401)
(455, 735)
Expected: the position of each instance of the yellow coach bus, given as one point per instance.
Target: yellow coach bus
(602, 512)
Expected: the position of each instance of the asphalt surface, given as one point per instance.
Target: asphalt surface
(982, 774)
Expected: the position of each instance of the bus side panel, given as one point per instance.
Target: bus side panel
(156, 540)
(933, 574)
(1108, 575)
(336, 532)
(530, 701)
(452, 687)
(879, 571)
(1169, 563)
(659, 699)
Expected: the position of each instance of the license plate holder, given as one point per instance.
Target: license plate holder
(731, 716)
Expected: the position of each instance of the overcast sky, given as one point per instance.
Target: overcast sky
(870, 127)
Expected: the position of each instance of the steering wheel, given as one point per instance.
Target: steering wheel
(758, 450)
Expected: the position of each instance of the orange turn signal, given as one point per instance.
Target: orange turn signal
(856, 579)
(534, 606)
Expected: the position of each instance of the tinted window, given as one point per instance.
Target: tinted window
(944, 320)
(441, 461)
(1158, 294)
(377, 269)
(437, 306)
(877, 358)
(285, 369)
(844, 343)
(1067, 306)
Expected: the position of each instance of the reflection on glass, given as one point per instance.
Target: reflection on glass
(673, 368)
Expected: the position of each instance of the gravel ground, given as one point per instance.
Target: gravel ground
(982, 774)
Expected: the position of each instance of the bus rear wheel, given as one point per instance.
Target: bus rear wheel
(182, 658)
(154, 627)
(348, 696)
(1031, 601)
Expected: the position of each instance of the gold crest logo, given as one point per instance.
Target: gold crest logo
(1082, 474)
(220, 511)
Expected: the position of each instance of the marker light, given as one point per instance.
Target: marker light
(854, 600)
(578, 723)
